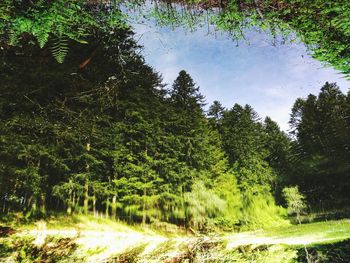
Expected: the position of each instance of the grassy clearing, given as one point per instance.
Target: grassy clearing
(90, 239)
(94, 238)
(82, 222)
(294, 235)
(323, 232)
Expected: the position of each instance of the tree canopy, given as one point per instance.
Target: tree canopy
(98, 132)
(322, 25)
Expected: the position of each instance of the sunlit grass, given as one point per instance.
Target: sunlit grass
(101, 238)
(325, 232)
(97, 238)
(294, 235)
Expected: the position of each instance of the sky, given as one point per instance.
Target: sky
(268, 77)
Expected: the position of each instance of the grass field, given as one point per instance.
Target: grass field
(89, 239)
(321, 232)
(305, 234)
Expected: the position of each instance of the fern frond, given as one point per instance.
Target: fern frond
(42, 38)
(59, 48)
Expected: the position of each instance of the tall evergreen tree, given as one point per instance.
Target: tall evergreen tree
(321, 152)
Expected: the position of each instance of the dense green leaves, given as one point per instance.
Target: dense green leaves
(108, 137)
(295, 201)
(100, 133)
(321, 153)
(55, 23)
(322, 25)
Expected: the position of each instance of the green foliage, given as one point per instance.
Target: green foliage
(226, 187)
(216, 111)
(202, 204)
(109, 138)
(295, 201)
(260, 211)
(41, 19)
(249, 151)
(242, 134)
(57, 22)
(320, 154)
(322, 25)
(59, 49)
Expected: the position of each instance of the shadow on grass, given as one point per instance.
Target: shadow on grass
(327, 253)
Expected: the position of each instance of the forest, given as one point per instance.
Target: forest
(88, 128)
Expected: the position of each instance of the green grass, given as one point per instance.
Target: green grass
(76, 222)
(326, 232)
(100, 237)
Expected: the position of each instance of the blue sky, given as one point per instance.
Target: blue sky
(269, 78)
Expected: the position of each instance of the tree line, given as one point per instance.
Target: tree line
(101, 133)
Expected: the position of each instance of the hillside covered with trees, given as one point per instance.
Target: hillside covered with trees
(111, 138)
(87, 127)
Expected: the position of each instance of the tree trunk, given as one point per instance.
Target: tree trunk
(43, 204)
(69, 208)
(78, 202)
(86, 197)
(114, 206)
(70, 199)
(33, 208)
(74, 201)
(298, 218)
(94, 204)
(86, 192)
(107, 207)
(24, 200)
(144, 207)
